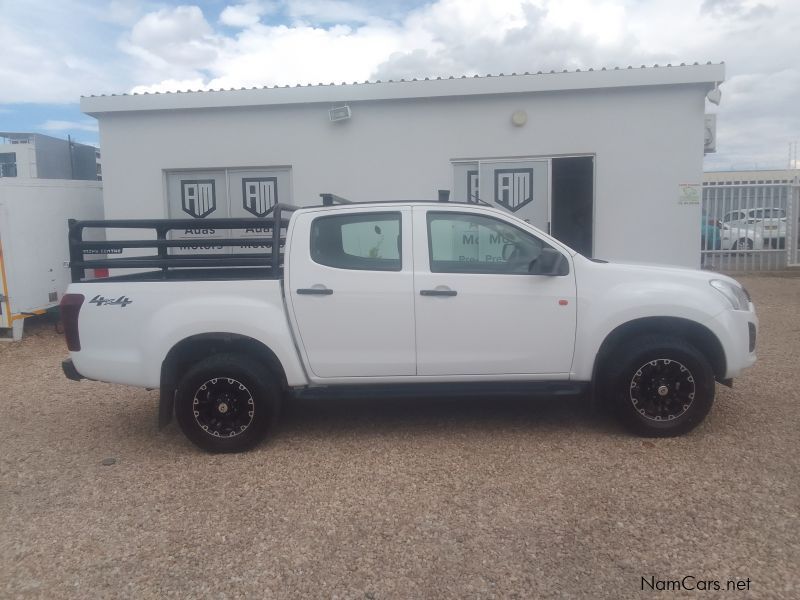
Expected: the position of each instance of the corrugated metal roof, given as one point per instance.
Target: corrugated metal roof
(528, 81)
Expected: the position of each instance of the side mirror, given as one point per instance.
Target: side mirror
(551, 263)
(510, 249)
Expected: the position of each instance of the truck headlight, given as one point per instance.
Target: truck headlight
(734, 293)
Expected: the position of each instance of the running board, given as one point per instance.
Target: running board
(459, 389)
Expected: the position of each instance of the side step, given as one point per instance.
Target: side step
(459, 389)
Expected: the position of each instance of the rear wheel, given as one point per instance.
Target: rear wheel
(660, 386)
(226, 403)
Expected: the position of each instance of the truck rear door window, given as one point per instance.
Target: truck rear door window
(366, 241)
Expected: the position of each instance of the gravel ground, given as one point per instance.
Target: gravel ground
(411, 499)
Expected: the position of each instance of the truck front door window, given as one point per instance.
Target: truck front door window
(469, 243)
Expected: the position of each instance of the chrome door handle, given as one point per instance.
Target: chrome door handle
(314, 291)
(438, 293)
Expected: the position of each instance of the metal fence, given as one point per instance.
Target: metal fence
(750, 226)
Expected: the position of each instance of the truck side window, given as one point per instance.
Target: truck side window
(365, 241)
(470, 243)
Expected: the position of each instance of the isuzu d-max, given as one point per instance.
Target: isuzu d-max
(392, 298)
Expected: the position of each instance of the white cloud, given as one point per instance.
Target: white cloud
(179, 37)
(283, 55)
(286, 42)
(328, 11)
(122, 12)
(510, 36)
(69, 125)
(247, 14)
(172, 85)
(56, 51)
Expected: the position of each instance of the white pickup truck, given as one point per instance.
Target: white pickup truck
(393, 298)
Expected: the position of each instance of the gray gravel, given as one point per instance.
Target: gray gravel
(436, 499)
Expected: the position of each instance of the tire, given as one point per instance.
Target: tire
(660, 386)
(213, 398)
(743, 244)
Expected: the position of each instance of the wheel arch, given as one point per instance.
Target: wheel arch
(196, 347)
(700, 336)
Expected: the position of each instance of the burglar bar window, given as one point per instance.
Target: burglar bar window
(8, 164)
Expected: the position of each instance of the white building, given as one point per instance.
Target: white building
(39, 156)
(44, 181)
(611, 161)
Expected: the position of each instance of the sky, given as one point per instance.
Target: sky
(55, 51)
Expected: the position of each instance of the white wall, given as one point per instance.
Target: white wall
(33, 233)
(647, 141)
(26, 158)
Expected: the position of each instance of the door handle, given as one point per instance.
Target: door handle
(438, 293)
(314, 291)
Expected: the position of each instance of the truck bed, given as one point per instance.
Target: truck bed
(167, 249)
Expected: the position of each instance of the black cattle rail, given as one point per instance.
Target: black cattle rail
(265, 264)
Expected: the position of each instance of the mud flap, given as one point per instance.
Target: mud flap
(166, 406)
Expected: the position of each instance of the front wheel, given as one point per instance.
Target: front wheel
(661, 386)
(226, 403)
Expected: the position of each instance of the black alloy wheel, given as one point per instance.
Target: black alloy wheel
(659, 385)
(223, 407)
(662, 389)
(227, 403)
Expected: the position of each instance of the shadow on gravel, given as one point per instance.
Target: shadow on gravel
(415, 417)
(422, 414)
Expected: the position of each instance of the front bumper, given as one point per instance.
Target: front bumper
(70, 371)
(738, 332)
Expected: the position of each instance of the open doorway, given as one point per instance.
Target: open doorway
(572, 202)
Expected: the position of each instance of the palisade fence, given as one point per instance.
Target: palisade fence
(750, 225)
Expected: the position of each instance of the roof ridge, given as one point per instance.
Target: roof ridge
(402, 80)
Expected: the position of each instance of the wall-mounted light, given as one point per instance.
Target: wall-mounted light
(519, 118)
(340, 113)
(715, 95)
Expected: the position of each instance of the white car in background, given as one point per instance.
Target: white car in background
(768, 222)
(740, 239)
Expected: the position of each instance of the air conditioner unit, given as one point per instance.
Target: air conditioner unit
(340, 113)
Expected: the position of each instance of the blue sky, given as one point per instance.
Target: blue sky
(95, 30)
(58, 50)
(58, 120)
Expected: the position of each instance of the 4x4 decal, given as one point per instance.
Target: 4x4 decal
(122, 301)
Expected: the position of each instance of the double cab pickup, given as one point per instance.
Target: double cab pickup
(392, 298)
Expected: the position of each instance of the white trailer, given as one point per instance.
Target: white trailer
(33, 243)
